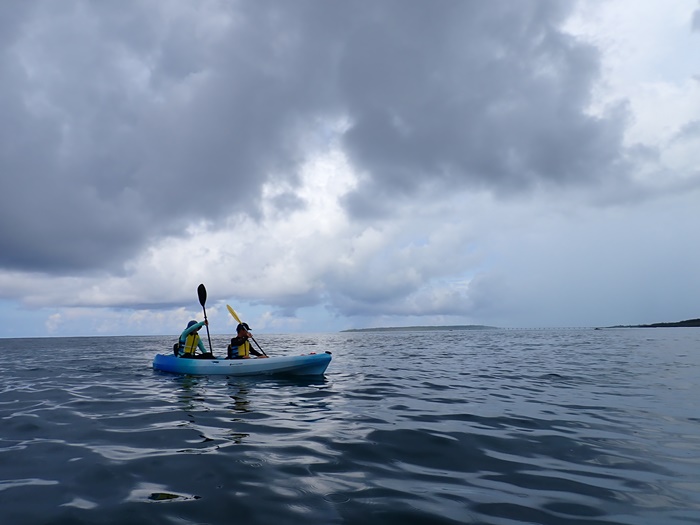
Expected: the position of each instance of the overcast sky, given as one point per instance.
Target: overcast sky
(322, 165)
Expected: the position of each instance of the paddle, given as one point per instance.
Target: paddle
(202, 293)
(233, 313)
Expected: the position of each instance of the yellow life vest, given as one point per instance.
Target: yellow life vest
(191, 343)
(244, 350)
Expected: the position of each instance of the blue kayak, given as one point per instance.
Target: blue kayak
(297, 365)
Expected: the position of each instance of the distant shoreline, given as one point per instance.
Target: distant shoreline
(692, 323)
(422, 328)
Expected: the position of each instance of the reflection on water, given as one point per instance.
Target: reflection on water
(240, 399)
(190, 392)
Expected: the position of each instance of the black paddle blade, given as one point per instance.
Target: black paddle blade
(202, 293)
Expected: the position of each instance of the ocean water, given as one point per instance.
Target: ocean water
(493, 427)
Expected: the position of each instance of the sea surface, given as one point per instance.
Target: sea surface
(491, 426)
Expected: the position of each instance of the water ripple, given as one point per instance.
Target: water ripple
(498, 427)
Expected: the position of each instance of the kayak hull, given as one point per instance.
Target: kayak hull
(297, 365)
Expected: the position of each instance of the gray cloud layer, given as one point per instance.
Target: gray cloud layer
(123, 122)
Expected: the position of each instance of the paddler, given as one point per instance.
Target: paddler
(240, 347)
(190, 341)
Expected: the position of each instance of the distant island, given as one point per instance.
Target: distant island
(692, 323)
(422, 328)
(680, 324)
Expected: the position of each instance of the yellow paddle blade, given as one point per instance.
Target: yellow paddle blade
(233, 313)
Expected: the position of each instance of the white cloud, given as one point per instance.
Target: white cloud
(649, 61)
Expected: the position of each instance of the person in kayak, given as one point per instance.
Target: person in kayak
(190, 341)
(240, 347)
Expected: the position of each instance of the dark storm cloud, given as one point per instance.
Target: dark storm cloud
(490, 95)
(123, 122)
(121, 127)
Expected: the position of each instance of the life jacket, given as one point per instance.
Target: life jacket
(191, 344)
(244, 350)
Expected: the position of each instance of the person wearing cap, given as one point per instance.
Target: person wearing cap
(190, 341)
(240, 347)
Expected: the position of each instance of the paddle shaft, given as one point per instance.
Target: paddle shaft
(263, 351)
(202, 293)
